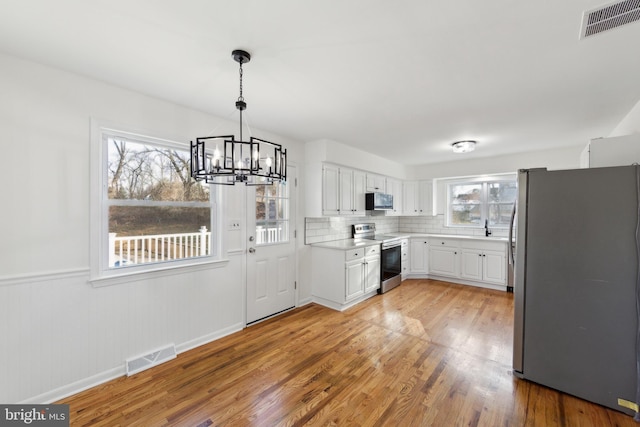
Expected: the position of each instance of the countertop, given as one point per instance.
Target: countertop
(452, 236)
(346, 244)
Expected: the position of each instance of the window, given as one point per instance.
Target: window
(272, 213)
(151, 211)
(472, 202)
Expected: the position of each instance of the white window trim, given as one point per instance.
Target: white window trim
(102, 276)
(471, 180)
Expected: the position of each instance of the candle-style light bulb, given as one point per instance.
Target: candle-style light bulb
(268, 162)
(216, 156)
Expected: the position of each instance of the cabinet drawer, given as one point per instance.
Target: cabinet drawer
(451, 243)
(372, 250)
(353, 254)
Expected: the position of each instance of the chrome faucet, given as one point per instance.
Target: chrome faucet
(487, 232)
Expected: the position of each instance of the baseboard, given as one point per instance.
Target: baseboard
(76, 387)
(305, 301)
(206, 339)
(119, 371)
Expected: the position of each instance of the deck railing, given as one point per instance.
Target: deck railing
(270, 234)
(125, 250)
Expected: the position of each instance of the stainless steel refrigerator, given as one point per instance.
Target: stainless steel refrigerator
(576, 283)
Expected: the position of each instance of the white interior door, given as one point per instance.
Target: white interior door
(271, 266)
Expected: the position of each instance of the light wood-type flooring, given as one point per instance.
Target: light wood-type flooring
(427, 353)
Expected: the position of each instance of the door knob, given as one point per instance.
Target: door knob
(252, 250)
(251, 238)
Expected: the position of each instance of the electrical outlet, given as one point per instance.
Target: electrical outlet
(234, 224)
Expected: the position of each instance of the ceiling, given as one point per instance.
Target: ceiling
(401, 79)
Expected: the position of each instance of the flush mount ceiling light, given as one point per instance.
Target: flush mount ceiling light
(463, 146)
(225, 160)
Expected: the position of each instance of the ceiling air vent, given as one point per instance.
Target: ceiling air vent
(609, 17)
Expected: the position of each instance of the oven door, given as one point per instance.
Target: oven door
(390, 267)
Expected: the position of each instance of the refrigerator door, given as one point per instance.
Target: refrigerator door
(519, 271)
(578, 292)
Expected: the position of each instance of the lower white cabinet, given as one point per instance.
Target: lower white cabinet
(404, 258)
(484, 265)
(418, 251)
(342, 278)
(482, 262)
(443, 257)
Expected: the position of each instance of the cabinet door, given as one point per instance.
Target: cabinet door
(394, 187)
(346, 192)
(410, 200)
(471, 262)
(359, 183)
(443, 261)
(404, 258)
(372, 273)
(425, 197)
(330, 190)
(354, 283)
(376, 183)
(494, 267)
(418, 256)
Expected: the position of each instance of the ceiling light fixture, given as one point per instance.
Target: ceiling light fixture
(226, 160)
(463, 146)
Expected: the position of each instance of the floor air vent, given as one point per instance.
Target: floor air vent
(147, 361)
(609, 17)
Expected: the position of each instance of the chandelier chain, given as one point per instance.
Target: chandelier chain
(240, 98)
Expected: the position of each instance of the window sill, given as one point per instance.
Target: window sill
(132, 276)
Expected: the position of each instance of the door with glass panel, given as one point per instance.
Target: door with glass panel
(271, 266)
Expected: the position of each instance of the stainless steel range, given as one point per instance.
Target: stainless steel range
(390, 255)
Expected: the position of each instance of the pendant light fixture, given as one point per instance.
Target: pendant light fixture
(225, 160)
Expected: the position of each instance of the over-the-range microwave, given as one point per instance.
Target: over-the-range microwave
(378, 202)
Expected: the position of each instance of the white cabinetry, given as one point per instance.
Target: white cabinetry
(376, 183)
(394, 187)
(417, 197)
(425, 197)
(342, 278)
(419, 256)
(404, 258)
(614, 151)
(481, 262)
(486, 264)
(372, 271)
(343, 191)
(443, 257)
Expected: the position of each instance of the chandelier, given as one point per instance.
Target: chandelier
(224, 160)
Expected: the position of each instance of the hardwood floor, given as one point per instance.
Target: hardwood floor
(426, 353)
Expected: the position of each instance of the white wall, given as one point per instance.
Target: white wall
(60, 334)
(562, 158)
(630, 123)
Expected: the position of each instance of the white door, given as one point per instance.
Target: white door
(271, 266)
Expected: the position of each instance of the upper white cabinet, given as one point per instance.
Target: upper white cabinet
(394, 187)
(343, 191)
(376, 183)
(418, 197)
(614, 151)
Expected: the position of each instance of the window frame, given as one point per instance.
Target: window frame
(484, 204)
(101, 273)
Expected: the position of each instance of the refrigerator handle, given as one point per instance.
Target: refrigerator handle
(512, 260)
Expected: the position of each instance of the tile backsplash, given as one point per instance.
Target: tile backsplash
(324, 229)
